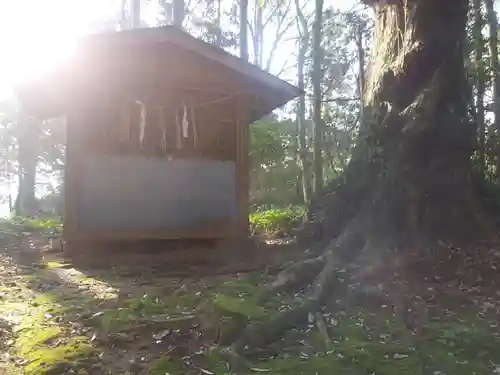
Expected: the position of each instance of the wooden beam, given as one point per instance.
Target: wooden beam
(242, 165)
(216, 230)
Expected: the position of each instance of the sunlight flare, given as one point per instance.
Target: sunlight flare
(35, 36)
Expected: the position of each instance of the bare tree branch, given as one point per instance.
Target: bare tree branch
(283, 68)
(280, 32)
(271, 14)
(340, 100)
(304, 32)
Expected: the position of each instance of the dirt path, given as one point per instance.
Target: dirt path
(57, 318)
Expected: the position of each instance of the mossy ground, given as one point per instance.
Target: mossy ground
(64, 321)
(43, 343)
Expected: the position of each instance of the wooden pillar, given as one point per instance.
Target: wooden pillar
(242, 166)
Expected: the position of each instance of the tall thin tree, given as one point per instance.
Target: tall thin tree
(303, 149)
(135, 15)
(361, 67)
(495, 70)
(317, 54)
(480, 83)
(179, 12)
(244, 29)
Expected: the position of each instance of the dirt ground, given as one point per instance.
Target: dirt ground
(146, 312)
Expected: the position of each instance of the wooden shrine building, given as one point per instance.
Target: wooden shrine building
(157, 134)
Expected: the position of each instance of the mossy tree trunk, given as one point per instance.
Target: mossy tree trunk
(410, 173)
(417, 138)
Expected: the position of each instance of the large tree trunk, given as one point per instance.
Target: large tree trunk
(410, 173)
(418, 140)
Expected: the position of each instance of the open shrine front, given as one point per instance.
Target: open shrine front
(157, 134)
(157, 168)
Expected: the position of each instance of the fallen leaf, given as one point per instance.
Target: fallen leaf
(161, 335)
(206, 371)
(400, 356)
(310, 317)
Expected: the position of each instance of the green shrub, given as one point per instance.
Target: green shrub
(39, 223)
(489, 191)
(277, 220)
(19, 224)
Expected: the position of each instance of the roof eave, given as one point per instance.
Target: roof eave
(175, 35)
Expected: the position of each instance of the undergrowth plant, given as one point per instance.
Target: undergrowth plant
(277, 221)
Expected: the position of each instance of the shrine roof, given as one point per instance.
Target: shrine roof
(48, 96)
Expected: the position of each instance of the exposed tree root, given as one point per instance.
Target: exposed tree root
(298, 274)
(322, 328)
(258, 334)
(322, 271)
(412, 313)
(302, 273)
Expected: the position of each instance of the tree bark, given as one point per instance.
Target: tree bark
(419, 141)
(135, 15)
(495, 70)
(244, 29)
(318, 97)
(218, 24)
(410, 172)
(258, 34)
(361, 68)
(123, 23)
(301, 108)
(480, 82)
(179, 12)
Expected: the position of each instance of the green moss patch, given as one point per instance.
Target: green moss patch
(238, 306)
(246, 286)
(61, 359)
(462, 345)
(363, 344)
(52, 265)
(165, 365)
(311, 366)
(47, 346)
